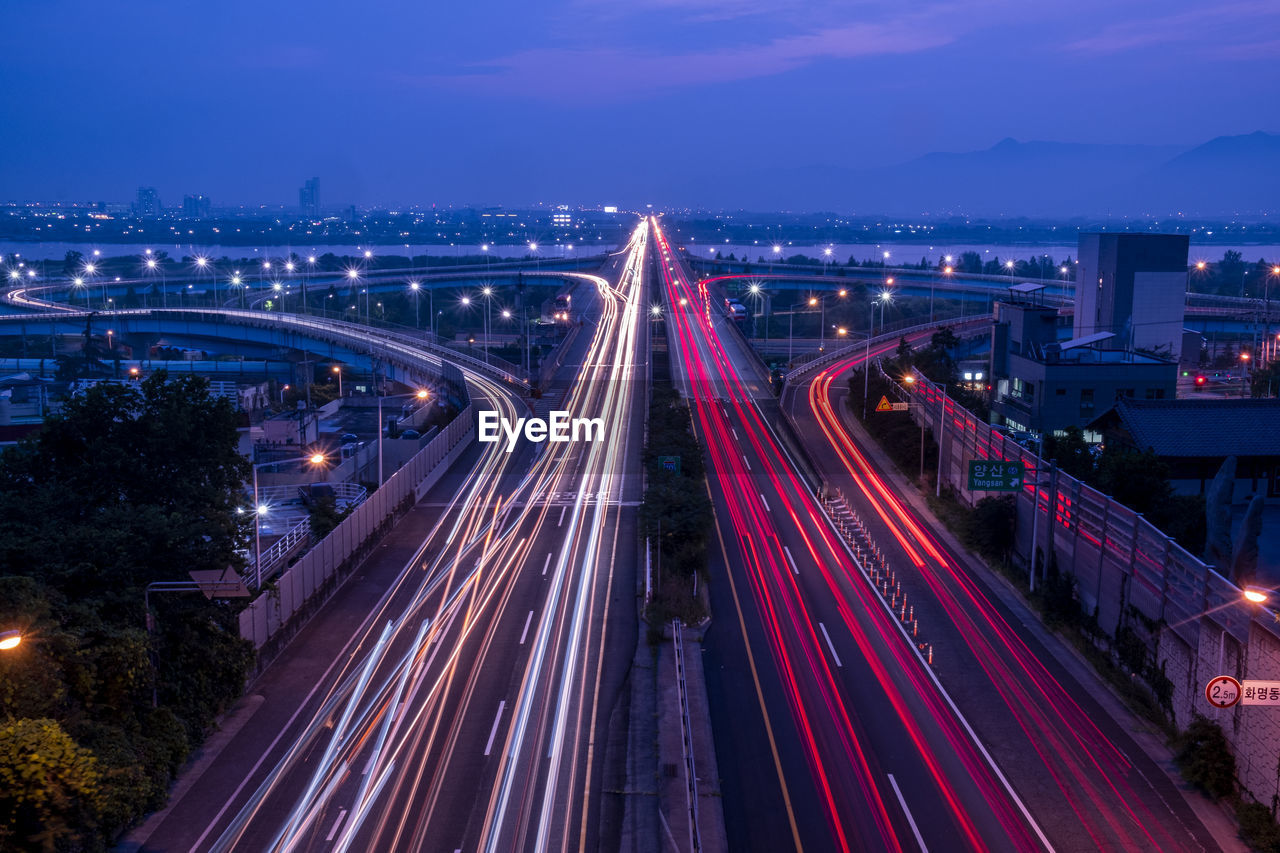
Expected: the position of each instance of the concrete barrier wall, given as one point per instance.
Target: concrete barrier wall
(1132, 577)
(320, 567)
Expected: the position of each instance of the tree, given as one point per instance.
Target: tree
(1140, 481)
(126, 485)
(902, 356)
(48, 786)
(989, 529)
(1072, 453)
(72, 263)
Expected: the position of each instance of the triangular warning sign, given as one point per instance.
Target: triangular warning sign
(883, 405)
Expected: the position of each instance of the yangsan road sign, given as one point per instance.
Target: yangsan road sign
(986, 475)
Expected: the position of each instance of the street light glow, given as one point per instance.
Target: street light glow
(10, 640)
(353, 274)
(1255, 594)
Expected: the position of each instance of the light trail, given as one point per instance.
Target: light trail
(1095, 778)
(408, 725)
(710, 379)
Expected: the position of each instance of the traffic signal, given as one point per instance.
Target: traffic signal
(1201, 380)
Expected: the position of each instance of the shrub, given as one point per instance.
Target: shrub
(1205, 759)
(1258, 827)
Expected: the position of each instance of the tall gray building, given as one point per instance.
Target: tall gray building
(195, 206)
(147, 205)
(309, 197)
(1134, 287)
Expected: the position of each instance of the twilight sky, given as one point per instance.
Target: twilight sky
(592, 101)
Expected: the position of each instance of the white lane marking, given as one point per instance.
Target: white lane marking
(525, 632)
(790, 559)
(494, 731)
(545, 564)
(942, 691)
(735, 434)
(765, 502)
(830, 645)
(745, 462)
(915, 830)
(337, 823)
(561, 521)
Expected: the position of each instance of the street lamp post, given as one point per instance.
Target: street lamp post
(420, 394)
(417, 320)
(338, 370)
(259, 509)
(488, 303)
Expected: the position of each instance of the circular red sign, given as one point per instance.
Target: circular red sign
(1222, 692)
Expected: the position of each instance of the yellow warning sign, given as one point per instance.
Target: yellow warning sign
(883, 405)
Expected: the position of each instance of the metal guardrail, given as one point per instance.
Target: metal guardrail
(821, 359)
(686, 739)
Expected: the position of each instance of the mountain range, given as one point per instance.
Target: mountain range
(1226, 176)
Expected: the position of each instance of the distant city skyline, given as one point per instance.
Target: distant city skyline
(588, 102)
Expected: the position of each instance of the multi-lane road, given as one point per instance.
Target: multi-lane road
(457, 694)
(468, 710)
(995, 744)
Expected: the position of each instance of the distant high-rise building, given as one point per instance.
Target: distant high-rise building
(309, 197)
(148, 204)
(195, 206)
(1133, 286)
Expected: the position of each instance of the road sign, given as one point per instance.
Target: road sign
(1223, 692)
(1260, 692)
(986, 475)
(670, 463)
(885, 406)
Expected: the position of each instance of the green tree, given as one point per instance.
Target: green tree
(125, 486)
(989, 529)
(1139, 480)
(1072, 453)
(48, 786)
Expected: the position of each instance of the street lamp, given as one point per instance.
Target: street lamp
(353, 276)
(415, 287)
(420, 394)
(885, 297)
(259, 508)
(488, 303)
(10, 640)
(946, 271)
(338, 370)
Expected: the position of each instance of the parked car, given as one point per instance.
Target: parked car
(411, 433)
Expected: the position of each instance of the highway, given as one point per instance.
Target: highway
(832, 732)
(466, 711)
(1083, 776)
